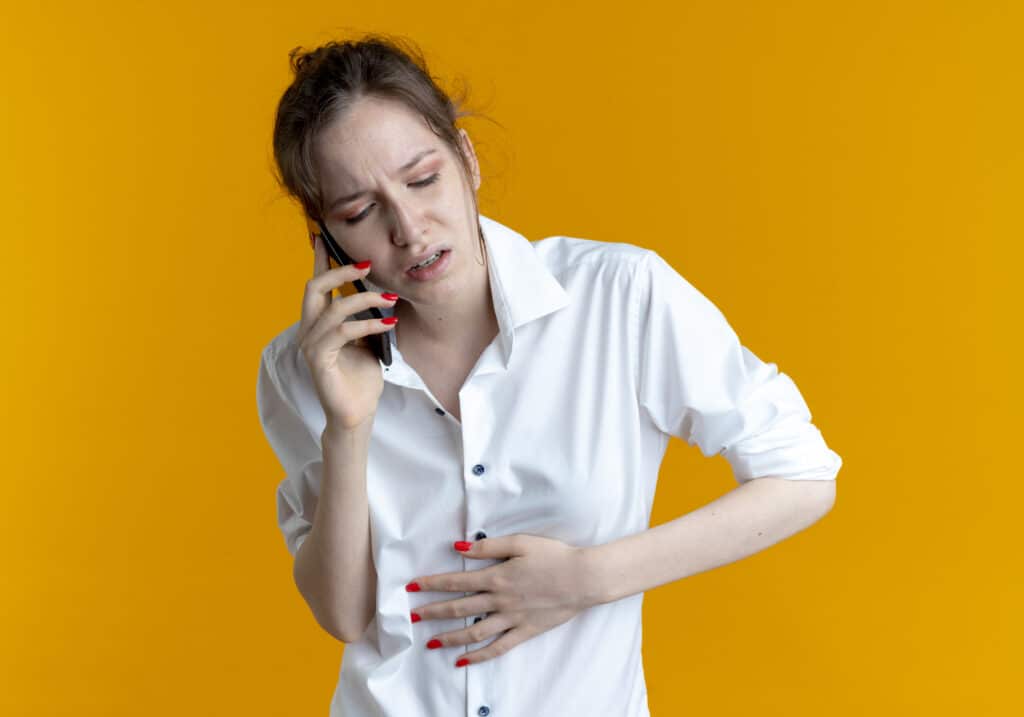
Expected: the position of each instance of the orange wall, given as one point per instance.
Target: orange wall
(841, 179)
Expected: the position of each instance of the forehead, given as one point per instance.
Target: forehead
(375, 134)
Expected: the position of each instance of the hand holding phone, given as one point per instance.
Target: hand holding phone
(347, 376)
(378, 343)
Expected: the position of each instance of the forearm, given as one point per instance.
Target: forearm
(744, 521)
(334, 565)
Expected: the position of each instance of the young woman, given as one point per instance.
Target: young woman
(473, 519)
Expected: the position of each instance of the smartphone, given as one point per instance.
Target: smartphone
(380, 344)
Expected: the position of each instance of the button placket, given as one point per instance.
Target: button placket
(480, 535)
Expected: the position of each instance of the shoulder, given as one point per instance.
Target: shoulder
(646, 270)
(634, 276)
(576, 258)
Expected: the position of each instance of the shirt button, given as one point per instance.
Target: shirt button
(484, 711)
(478, 469)
(438, 411)
(480, 535)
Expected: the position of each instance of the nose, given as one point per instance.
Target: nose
(405, 226)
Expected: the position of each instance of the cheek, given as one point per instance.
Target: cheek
(457, 198)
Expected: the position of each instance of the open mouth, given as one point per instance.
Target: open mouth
(429, 262)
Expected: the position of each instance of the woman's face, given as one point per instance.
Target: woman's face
(381, 206)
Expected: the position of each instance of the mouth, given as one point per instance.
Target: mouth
(434, 254)
(438, 267)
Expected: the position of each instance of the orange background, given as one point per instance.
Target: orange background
(842, 179)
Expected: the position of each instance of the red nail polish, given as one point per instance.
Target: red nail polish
(462, 544)
(390, 297)
(363, 265)
(412, 588)
(434, 644)
(415, 617)
(462, 663)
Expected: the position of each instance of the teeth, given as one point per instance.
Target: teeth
(429, 261)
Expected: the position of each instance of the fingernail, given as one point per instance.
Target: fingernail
(415, 617)
(390, 297)
(363, 265)
(462, 663)
(463, 545)
(434, 644)
(412, 588)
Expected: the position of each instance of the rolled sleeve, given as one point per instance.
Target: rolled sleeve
(297, 451)
(698, 383)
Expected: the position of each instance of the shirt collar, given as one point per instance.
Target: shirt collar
(522, 288)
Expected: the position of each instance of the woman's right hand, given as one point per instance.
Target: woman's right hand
(346, 373)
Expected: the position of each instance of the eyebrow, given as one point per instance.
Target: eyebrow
(405, 167)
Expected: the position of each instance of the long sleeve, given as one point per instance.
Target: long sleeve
(296, 449)
(698, 383)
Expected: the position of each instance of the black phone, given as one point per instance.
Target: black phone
(380, 344)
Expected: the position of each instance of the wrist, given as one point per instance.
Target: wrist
(593, 590)
(339, 430)
(347, 439)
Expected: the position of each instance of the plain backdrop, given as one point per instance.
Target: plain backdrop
(841, 179)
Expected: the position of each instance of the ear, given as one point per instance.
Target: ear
(467, 147)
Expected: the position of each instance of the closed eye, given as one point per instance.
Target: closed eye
(422, 183)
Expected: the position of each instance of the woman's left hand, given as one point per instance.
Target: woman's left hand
(543, 583)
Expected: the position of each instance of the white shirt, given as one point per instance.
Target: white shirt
(604, 352)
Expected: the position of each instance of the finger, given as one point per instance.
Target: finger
(476, 604)
(497, 648)
(499, 547)
(317, 296)
(478, 632)
(460, 582)
(335, 327)
(321, 260)
(332, 339)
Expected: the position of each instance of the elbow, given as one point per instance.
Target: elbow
(337, 625)
(805, 495)
(338, 610)
(333, 624)
(829, 499)
(815, 503)
(809, 499)
(333, 627)
(327, 621)
(822, 502)
(819, 498)
(348, 631)
(816, 497)
(348, 635)
(337, 633)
